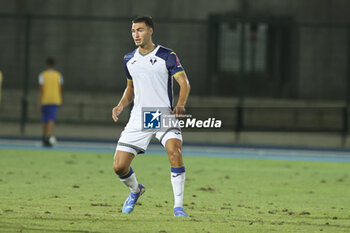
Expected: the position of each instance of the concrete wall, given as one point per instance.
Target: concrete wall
(89, 53)
(323, 66)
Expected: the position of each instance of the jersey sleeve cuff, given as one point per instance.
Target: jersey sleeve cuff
(179, 72)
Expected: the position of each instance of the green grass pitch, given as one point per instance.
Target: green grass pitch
(51, 191)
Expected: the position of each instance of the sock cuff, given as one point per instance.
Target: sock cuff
(131, 171)
(178, 169)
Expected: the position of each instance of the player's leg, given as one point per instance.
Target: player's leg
(172, 141)
(50, 128)
(173, 147)
(121, 166)
(49, 114)
(53, 110)
(44, 119)
(45, 139)
(44, 129)
(131, 143)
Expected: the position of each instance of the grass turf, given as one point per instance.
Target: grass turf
(50, 191)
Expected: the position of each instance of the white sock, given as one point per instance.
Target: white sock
(130, 181)
(178, 183)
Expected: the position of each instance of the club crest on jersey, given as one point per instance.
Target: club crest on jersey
(153, 60)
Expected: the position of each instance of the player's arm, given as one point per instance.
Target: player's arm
(182, 80)
(126, 99)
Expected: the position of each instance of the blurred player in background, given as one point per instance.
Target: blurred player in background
(49, 99)
(150, 70)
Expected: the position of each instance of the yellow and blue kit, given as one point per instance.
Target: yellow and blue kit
(51, 81)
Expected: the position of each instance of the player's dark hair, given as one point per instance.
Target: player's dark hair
(144, 19)
(50, 61)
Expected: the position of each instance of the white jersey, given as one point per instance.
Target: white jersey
(152, 78)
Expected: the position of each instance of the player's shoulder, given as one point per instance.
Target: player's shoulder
(164, 52)
(128, 56)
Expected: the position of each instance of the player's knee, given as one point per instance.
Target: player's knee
(120, 169)
(173, 154)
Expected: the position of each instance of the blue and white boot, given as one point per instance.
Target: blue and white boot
(130, 202)
(180, 212)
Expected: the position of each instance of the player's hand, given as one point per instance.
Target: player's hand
(179, 110)
(116, 111)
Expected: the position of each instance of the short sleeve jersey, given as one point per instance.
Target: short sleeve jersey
(51, 80)
(152, 77)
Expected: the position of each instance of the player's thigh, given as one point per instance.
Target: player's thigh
(134, 140)
(164, 137)
(173, 147)
(52, 112)
(172, 142)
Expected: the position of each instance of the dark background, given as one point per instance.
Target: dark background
(275, 65)
(304, 48)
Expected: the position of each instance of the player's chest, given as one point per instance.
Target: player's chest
(147, 67)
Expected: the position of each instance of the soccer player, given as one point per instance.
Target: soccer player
(150, 70)
(49, 99)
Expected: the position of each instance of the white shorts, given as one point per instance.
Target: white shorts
(136, 141)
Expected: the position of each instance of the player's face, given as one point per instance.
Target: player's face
(141, 34)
